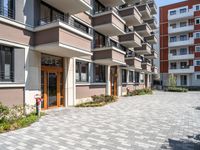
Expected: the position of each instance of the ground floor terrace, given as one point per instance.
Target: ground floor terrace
(62, 81)
(156, 122)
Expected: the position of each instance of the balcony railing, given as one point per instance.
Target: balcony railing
(189, 27)
(6, 12)
(181, 42)
(66, 20)
(7, 77)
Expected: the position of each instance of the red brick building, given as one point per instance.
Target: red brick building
(180, 42)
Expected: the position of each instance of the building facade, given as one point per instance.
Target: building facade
(180, 43)
(68, 51)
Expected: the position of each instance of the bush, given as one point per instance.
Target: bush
(177, 89)
(98, 101)
(140, 92)
(4, 111)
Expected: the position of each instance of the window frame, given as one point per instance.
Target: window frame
(185, 10)
(131, 76)
(79, 65)
(172, 12)
(196, 47)
(197, 19)
(197, 62)
(102, 73)
(2, 64)
(124, 76)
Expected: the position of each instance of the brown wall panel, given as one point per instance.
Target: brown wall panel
(164, 67)
(12, 96)
(197, 68)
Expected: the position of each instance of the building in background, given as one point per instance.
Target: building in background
(69, 50)
(180, 43)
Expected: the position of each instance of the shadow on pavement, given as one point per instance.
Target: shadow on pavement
(191, 143)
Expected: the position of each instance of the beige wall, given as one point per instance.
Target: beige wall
(85, 91)
(84, 17)
(12, 96)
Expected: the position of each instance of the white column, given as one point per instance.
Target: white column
(127, 76)
(119, 81)
(70, 86)
(108, 90)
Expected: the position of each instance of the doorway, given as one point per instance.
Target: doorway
(52, 83)
(113, 80)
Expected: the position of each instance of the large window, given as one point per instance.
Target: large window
(82, 71)
(173, 12)
(183, 37)
(98, 7)
(198, 63)
(7, 8)
(6, 63)
(197, 21)
(183, 51)
(124, 76)
(99, 40)
(81, 26)
(99, 73)
(173, 39)
(131, 76)
(183, 10)
(197, 35)
(197, 48)
(137, 77)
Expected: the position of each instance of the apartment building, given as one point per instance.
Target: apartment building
(69, 50)
(180, 43)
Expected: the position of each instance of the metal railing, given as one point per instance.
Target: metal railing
(6, 12)
(66, 20)
(7, 77)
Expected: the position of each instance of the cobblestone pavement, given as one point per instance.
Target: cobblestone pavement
(154, 122)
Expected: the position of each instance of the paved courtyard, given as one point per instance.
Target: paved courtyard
(159, 121)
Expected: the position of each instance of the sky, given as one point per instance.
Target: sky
(160, 3)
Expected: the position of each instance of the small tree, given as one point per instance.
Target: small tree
(172, 80)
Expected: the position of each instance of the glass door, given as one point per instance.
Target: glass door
(52, 90)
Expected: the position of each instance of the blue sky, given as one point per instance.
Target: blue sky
(166, 2)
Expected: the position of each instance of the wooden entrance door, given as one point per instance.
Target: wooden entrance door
(113, 80)
(52, 87)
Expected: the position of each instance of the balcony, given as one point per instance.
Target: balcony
(143, 30)
(130, 40)
(131, 15)
(62, 39)
(151, 39)
(186, 69)
(153, 55)
(145, 11)
(153, 8)
(134, 62)
(112, 3)
(70, 6)
(145, 49)
(152, 23)
(109, 55)
(131, 1)
(181, 29)
(181, 57)
(180, 16)
(189, 41)
(109, 23)
(154, 70)
(146, 67)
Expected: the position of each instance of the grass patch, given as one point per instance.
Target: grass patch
(22, 122)
(99, 101)
(177, 89)
(139, 92)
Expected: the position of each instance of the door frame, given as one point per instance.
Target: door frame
(115, 76)
(57, 71)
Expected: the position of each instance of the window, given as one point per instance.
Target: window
(137, 77)
(6, 63)
(7, 8)
(197, 21)
(98, 7)
(131, 76)
(183, 10)
(197, 7)
(183, 37)
(183, 24)
(173, 25)
(198, 76)
(197, 48)
(197, 35)
(183, 51)
(173, 52)
(99, 73)
(183, 80)
(173, 12)
(197, 62)
(173, 39)
(99, 40)
(173, 65)
(184, 65)
(82, 71)
(81, 26)
(124, 76)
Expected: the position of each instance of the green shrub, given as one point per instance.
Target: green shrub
(177, 89)
(4, 111)
(140, 92)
